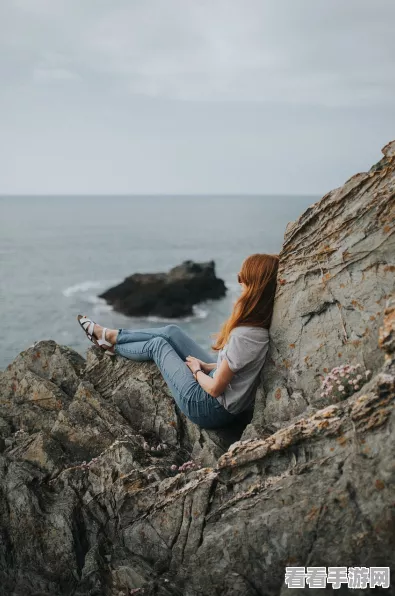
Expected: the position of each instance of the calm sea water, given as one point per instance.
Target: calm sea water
(58, 253)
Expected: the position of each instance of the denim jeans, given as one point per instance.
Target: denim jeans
(169, 347)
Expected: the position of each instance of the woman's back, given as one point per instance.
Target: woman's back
(245, 353)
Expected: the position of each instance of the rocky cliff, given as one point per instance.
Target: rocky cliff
(336, 271)
(95, 498)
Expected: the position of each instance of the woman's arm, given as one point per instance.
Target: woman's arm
(217, 385)
(208, 366)
(205, 366)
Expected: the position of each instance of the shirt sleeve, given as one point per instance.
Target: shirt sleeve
(241, 350)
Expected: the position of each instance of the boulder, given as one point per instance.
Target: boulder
(37, 385)
(169, 295)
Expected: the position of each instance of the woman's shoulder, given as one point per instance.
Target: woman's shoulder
(250, 331)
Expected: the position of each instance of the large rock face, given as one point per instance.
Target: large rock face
(337, 268)
(90, 505)
(171, 294)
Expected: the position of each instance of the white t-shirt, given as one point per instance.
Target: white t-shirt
(245, 353)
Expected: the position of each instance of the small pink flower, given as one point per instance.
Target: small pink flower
(341, 387)
(356, 387)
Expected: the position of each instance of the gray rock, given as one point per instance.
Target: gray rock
(336, 271)
(37, 385)
(5, 429)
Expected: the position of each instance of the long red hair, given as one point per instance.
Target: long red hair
(254, 307)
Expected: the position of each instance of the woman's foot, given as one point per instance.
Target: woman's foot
(110, 335)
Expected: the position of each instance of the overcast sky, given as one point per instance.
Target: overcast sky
(193, 96)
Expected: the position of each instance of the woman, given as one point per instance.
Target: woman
(209, 394)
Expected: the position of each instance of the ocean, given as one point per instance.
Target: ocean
(58, 253)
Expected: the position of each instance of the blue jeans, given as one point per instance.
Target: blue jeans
(169, 347)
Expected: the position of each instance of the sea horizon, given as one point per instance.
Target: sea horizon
(161, 195)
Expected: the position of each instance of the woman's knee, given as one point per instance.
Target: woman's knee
(172, 329)
(158, 340)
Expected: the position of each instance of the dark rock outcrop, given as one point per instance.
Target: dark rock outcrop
(169, 295)
(64, 419)
(90, 504)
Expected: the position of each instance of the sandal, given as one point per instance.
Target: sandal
(88, 326)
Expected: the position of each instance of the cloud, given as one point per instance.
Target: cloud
(197, 96)
(54, 67)
(309, 52)
(48, 75)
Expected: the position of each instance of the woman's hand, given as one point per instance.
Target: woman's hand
(194, 364)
